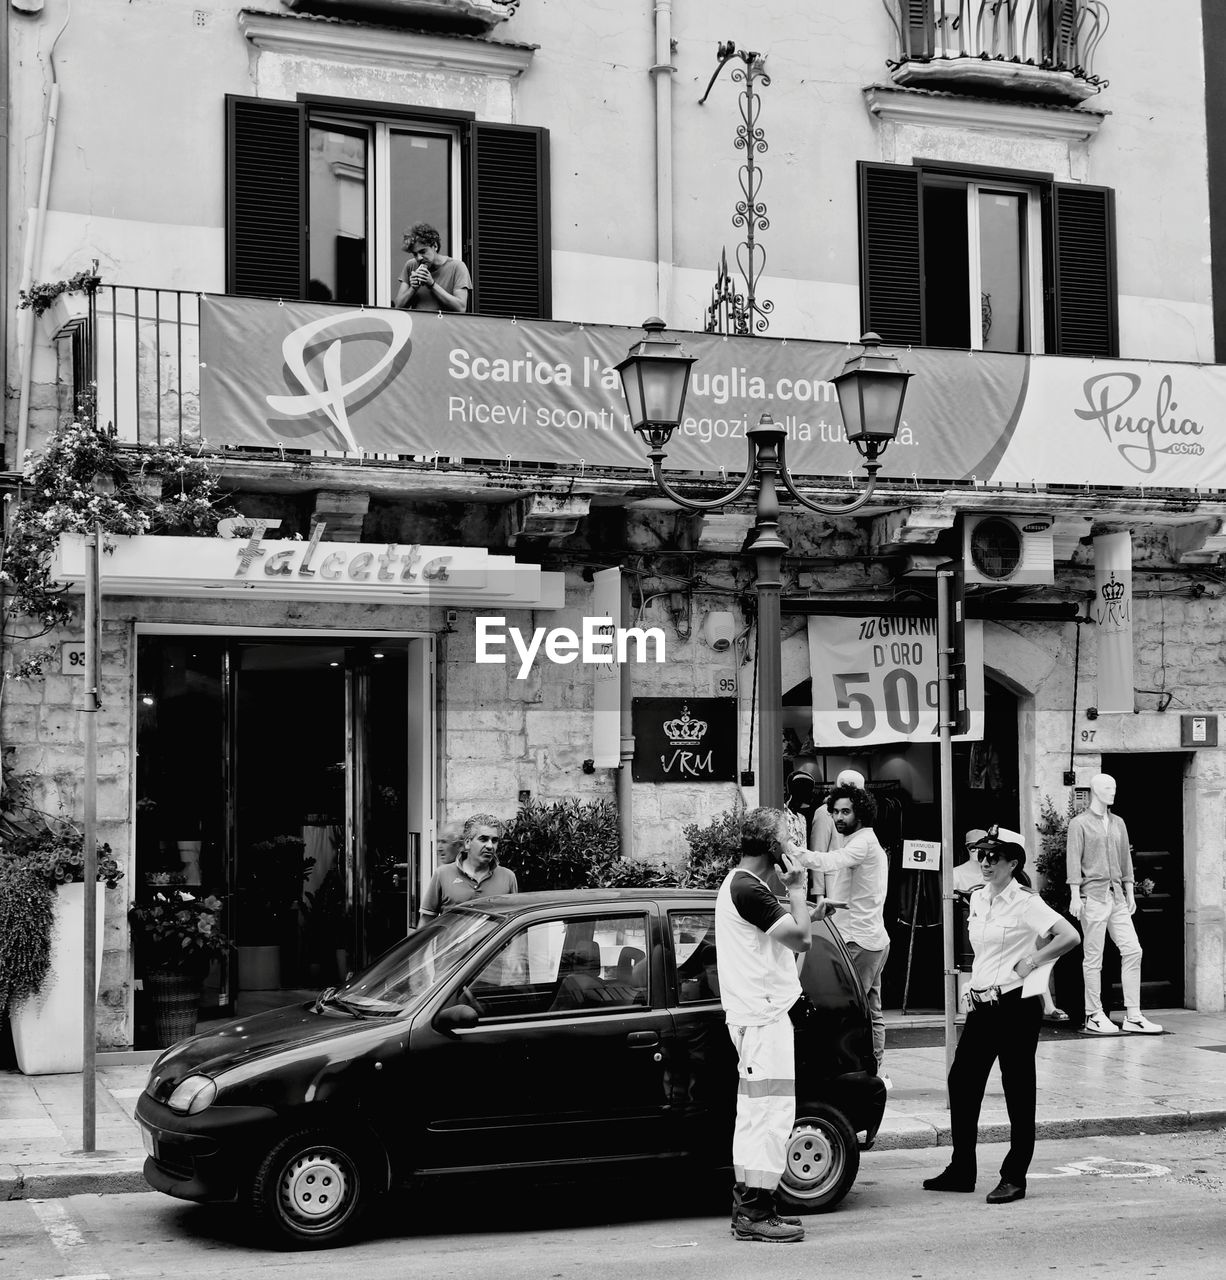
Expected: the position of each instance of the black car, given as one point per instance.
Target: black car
(542, 1033)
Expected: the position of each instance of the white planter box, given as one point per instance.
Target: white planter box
(48, 1027)
(67, 311)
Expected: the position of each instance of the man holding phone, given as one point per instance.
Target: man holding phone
(861, 876)
(429, 281)
(757, 940)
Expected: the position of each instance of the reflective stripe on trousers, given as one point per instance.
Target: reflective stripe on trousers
(765, 1101)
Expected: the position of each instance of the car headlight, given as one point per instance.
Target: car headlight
(192, 1095)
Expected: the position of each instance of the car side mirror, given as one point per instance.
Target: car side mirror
(456, 1017)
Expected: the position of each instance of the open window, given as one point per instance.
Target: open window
(987, 261)
(320, 191)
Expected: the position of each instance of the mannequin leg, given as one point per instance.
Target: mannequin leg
(1094, 928)
(1124, 934)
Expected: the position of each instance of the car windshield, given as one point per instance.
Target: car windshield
(398, 980)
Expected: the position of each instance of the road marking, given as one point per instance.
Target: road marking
(66, 1237)
(1100, 1167)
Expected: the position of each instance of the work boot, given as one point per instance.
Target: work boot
(773, 1230)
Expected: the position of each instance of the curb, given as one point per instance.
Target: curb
(123, 1175)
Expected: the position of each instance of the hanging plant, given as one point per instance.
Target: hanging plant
(83, 479)
(40, 295)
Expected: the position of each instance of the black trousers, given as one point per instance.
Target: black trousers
(1008, 1030)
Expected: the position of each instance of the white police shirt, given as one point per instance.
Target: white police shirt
(1004, 929)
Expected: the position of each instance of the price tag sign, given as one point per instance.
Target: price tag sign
(875, 680)
(72, 658)
(723, 683)
(921, 855)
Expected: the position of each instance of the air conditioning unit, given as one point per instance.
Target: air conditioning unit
(1012, 550)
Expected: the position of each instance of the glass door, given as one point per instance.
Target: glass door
(289, 778)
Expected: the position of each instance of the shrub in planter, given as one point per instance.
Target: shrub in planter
(1067, 988)
(26, 922)
(714, 850)
(560, 845)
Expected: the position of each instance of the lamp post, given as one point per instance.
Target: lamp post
(655, 377)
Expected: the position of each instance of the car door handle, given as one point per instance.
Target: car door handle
(642, 1039)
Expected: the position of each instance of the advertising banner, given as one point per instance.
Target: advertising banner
(875, 681)
(1112, 614)
(378, 381)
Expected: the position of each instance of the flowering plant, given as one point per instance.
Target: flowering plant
(85, 479)
(1145, 887)
(177, 931)
(42, 293)
(50, 848)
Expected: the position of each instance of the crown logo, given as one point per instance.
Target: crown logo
(1113, 591)
(685, 731)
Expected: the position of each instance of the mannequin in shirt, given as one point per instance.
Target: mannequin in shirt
(1101, 896)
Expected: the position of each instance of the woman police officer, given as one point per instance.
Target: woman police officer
(1012, 933)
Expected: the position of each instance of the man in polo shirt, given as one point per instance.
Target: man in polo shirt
(474, 874)
(756, 940)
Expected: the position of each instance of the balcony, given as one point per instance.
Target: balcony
(1034, 50)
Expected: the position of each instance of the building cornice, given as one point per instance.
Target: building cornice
(958, 111)
(383, 46)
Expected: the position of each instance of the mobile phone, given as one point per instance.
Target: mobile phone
(832, 905)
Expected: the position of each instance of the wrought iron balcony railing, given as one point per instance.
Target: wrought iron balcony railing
(1042, 49)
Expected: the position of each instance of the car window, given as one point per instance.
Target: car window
(694, 951)
(578, 963)
(412, 968)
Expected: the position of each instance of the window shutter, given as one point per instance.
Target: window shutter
(266, 205)
(1064, 33)
(920, 31)
(510, 241)
(1084, 315)
(891, 274)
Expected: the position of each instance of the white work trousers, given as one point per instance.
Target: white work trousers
(1106, 913)
(765, 1102)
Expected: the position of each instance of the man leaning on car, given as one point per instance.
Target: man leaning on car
(756, 943)
(475, 873)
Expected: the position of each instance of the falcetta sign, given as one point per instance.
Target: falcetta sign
(376, 381)
(248, 564)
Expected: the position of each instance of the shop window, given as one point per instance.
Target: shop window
(986, 261)
(319, 193)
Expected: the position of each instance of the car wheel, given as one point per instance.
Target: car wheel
(310, 1189)
(823, 1159)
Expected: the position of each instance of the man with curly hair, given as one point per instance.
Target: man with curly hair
(475, 873)
(429, 281)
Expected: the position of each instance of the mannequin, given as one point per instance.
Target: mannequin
(1101, 896)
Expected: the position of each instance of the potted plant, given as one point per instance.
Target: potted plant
(60, 304)
(178, 936)
(42, 947)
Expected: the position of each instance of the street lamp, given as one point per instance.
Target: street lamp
(655, 377)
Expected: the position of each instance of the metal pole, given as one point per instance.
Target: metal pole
(89, 988)
(625, 776)
(945, 718)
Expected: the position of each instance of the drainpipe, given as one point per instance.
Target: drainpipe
(625, 779)
(663, 72)
(4, 204)
(34, 252)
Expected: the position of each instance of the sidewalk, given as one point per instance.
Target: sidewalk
(1087, 1086)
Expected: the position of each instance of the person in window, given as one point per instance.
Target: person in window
(429, 281)
(1014, 933)
(474, 874)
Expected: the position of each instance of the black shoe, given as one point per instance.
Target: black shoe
(1004, 1192)
(950, 1180)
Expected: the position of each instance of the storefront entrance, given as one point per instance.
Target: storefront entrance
(290, 778)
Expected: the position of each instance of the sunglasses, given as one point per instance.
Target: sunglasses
(989, 857)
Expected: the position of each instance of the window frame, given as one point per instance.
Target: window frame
(1073, 294)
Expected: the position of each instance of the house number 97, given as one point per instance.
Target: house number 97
(1087, 735)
